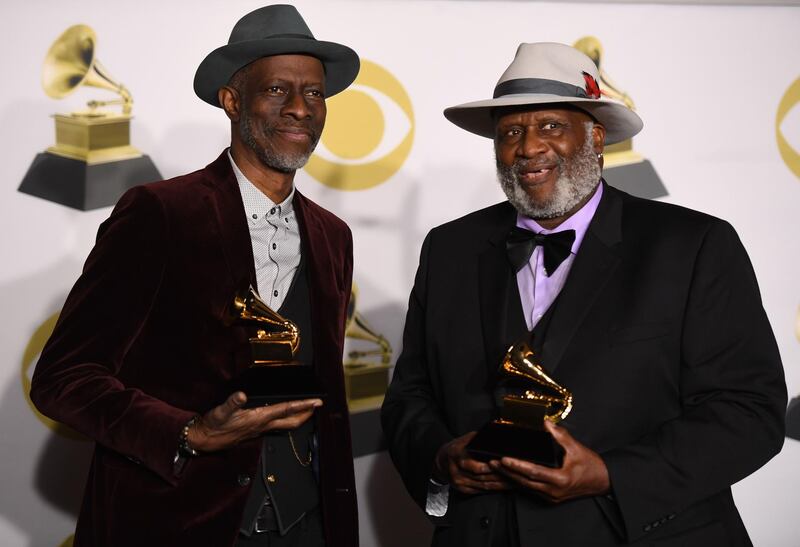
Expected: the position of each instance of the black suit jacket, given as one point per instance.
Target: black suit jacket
(660, 334)
(141, 346)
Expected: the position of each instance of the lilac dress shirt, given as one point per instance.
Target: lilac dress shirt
(537, 291)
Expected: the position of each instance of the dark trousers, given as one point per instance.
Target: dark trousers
(306, 533)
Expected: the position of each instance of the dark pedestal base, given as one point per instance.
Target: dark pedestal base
(639, 179)
(276, 384)
(496, 440)
(793, 419)
(76, 184)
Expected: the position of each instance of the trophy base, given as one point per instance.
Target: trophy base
(365, 384)
(638, 178)
(497, 439)
(793, 419)
(85, 186)
(265, 385)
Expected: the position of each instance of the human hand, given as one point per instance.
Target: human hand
(583, 472)
(229, 424)
(469, 476)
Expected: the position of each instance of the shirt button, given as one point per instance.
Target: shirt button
(271, 479)
(274, 293)
(485, 522)
(255, 215)
(274, 246)
(272, 211)
(242, 479)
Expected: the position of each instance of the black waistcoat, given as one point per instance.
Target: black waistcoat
(291, 487)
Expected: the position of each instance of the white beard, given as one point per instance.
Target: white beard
(578, 177)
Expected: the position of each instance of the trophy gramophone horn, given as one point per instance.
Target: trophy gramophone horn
(519, 363)
(71, 63)
(592, 47)
(272, 327)
(358, 328)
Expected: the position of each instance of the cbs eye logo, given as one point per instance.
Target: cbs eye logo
(790, 154)
(368, 132)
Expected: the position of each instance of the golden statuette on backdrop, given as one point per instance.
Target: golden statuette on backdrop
(623, 167)
(92, 162)
(518, 431)
(366, 371)
(274, 374)
(94, 135)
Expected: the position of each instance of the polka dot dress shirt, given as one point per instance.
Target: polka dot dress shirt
(275, 238)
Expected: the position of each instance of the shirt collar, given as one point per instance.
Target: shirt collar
(579, 221)
(255, 201)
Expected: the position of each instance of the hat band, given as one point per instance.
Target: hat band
(272, 37)
(538, 85)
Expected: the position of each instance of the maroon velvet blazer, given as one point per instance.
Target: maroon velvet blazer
(140, 348)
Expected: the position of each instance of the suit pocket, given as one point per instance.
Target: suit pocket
(638, 333)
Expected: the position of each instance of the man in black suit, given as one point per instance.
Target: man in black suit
(649, 313)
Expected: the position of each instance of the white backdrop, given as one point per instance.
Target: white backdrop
(706, 80)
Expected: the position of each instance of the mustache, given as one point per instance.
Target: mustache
(537, 162)
(272, 128)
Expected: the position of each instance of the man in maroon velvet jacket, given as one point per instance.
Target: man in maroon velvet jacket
(141, 360)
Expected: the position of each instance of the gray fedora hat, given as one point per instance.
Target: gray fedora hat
(273, 30)
(549, 73)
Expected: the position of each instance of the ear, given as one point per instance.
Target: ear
(230, 101)
(598, 137)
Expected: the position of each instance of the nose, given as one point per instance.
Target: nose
(296, 106)
(531, 145)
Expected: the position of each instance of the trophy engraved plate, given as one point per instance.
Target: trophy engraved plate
(519, 430)
(274, 374)
(366, 370)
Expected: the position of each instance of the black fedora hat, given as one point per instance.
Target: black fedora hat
(273, 30)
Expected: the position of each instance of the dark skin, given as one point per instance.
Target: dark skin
(284, 97)
(285, 94)
(540, 135)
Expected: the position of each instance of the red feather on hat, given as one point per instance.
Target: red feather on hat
(592, 88)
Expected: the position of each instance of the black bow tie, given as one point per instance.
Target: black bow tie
(556, 247)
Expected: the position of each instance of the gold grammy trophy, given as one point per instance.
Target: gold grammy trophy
(274, 374)
(365, 377)
(519, 430)
(623, 167)
(92, 162)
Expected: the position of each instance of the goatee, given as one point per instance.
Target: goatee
(282, 162)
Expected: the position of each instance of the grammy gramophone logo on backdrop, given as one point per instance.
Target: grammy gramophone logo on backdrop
(92, 163)
(623, 167)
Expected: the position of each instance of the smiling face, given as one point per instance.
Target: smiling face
(547, 159)
(280, 111)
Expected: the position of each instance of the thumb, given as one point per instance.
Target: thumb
(233, 403)
(560, 434)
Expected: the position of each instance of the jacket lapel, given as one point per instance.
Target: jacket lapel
(228, 211)
(320, 270)
(596, 261)
(498, 294)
